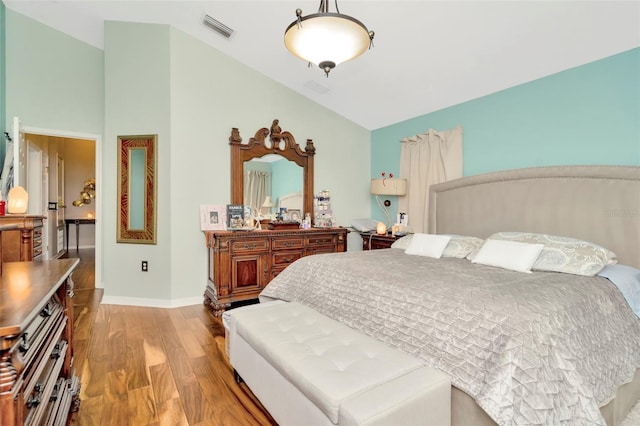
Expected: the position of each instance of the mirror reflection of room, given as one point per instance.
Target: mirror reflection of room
(272, 176)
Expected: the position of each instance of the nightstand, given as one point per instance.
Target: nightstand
(373, 241)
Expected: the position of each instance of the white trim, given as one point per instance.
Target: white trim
(151, 303)
(80, 247)
(98, 200)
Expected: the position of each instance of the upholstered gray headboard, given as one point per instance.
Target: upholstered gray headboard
(600, 204)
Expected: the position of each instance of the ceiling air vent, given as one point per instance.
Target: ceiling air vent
(217, 26)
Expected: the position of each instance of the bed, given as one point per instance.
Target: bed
(291, 201)
(521, 348)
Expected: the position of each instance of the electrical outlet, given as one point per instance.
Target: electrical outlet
(145, 266)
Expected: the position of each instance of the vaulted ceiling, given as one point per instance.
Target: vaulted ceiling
(428, 55)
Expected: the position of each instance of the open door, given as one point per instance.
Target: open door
(19, 155)
(37, 186)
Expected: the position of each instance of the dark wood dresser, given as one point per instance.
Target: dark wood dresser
(373, 241)
(241, 263)
(24, 243)
(37, 380)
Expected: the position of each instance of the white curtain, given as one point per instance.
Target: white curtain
(256, 189)
(426, 159)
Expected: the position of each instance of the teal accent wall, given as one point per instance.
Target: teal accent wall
(287, 178)
(585, 115)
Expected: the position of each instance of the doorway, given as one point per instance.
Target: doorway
(57, 196)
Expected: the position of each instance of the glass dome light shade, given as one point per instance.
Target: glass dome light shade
(327, 37)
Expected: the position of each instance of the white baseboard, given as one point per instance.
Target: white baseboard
(73, 247)
(151, 303)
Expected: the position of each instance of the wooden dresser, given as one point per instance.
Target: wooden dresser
(24, 243)
(37, 380)
(242, 263)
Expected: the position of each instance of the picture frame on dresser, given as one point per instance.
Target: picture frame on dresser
(295, 215)
(213, 217)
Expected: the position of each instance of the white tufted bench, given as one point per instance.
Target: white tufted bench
(308, 369)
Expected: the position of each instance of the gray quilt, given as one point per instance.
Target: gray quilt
(540, 348)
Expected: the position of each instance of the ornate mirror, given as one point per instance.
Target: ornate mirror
(137, 189)
(269, 142)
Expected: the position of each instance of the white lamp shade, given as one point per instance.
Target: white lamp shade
(388, 186)
(268, 202)
(327, 37)
(18, 200)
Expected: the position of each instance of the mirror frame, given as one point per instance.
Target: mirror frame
(147, 235)
(281, 143)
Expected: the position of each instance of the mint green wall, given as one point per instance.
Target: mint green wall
(155, 79)
(3, 80)
(210, 94)
(137, 102)
(53, 81)
(585, 115)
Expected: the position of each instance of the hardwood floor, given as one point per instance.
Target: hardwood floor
(152, 366)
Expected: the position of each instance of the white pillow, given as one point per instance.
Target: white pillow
(459, 245)
(429, 245)
(563, 254)
(511, 255)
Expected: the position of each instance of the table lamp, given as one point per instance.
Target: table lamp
(18, 200)
(387, 186)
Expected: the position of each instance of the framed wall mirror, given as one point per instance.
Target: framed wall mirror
(296, 165)
(137, 189)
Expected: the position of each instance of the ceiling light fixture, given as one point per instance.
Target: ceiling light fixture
(327, 39)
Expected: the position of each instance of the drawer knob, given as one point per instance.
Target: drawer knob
(55, 354)
(288, 259)
(46, 312)
(34, 400)
(24, 345)
(250, 247)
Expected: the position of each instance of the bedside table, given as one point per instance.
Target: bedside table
(373, 241)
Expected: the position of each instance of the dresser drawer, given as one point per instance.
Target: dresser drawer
(37, 252)
(287, 243)
(321, 240)
(38, 330)
(37, 397)
(380, 244)
(61, 399)
(35, 344)
(37, 242)
(243, 246)
(320, 250)
(285, 257)
(37, 233)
